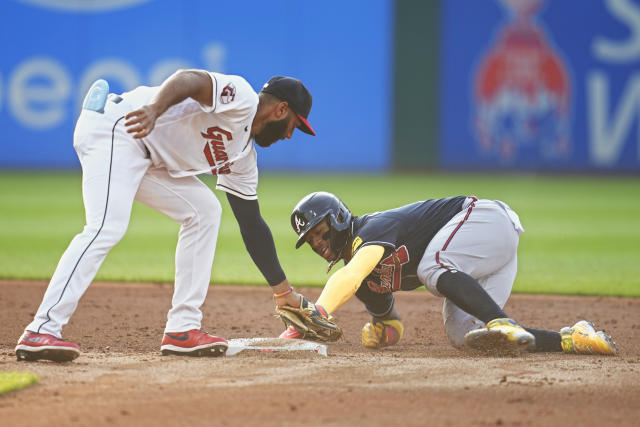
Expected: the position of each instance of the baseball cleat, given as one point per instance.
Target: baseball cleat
(290, 333)
(193, 343)
(382, 333)
(501, 335)
(582, 338)
(33, 346)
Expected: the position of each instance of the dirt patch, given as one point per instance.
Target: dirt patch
(121, 378)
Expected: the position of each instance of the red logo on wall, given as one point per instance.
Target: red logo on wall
(522, 91)
(214, 150)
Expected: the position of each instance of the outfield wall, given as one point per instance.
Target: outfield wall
(52, 50)
(534, 85)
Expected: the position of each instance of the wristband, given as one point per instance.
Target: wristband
(287, 292)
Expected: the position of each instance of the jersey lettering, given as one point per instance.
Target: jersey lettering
(214, 150)
(390, 272)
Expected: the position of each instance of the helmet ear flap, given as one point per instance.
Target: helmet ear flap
(340, 229)
(338, 240)
(340, 219)
(333, 221)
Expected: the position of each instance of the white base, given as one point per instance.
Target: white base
(271, 345)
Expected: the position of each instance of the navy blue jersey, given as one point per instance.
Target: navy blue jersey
(404, 233)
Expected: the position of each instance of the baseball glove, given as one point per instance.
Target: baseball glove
(310, 320)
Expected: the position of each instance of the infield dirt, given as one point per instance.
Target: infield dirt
(121, 378)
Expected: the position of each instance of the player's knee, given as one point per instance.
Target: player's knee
(114, 232)
(456, 328)
(206, 216)
(106, 235)
(212, 213)
(215, 209)
(455, 334)
(428, 274)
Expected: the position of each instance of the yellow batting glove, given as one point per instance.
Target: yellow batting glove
(382, 333)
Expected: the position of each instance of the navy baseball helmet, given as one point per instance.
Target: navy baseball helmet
(314, 208)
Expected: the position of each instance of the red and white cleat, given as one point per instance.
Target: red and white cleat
(290, 333)
(34, 346)
(194, 343)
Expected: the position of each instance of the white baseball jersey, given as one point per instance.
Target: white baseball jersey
(192, 139)
(159, 171)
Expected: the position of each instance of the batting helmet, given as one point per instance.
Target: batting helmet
(315, 207)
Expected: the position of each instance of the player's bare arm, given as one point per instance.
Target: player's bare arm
(182, 84)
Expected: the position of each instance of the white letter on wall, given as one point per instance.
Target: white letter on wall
(607, 137)
(621, 51)
(37, 91)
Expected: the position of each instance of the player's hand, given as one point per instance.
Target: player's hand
(141, 122)
(293, 299)
(310, 321)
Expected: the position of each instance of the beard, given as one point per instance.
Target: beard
(272, 132)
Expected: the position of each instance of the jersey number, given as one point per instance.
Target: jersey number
(214, 150)
(390, 272)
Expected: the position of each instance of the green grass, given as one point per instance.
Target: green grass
(582, 233)
(10, 381)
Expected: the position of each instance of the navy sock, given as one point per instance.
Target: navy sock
(546, 341)
(465, 292)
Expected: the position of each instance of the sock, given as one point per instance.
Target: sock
(546, 341)
(465, 292)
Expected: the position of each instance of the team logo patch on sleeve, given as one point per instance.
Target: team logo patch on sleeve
(228, 93)
(356, 243)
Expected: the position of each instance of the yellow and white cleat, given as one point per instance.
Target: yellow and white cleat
(501, 335)
(582, 338)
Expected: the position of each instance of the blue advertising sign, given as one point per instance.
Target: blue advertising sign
(52, 50)
(541, 85)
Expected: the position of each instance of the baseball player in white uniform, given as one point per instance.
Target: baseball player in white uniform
(149, 145)
(460, 248)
